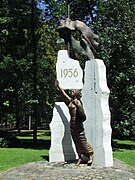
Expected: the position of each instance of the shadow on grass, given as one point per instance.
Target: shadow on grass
(10, 140)
(119, 146)
(28, 143)
(46, 158)
(30, 133)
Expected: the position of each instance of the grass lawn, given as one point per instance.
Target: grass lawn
(25, 151)
(13, 157)
(124, 150)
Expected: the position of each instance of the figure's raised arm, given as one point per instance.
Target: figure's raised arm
(63, 94)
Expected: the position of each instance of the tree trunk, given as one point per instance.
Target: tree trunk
(34, 70)
(17, 110)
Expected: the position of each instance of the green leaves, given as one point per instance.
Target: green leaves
(6, 103)
(116, 31)
(32, 101)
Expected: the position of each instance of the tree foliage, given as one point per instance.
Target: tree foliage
(18, 50)
(24, 70)
(117, 48)
(14, 56)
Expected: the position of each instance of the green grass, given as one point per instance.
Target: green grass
(124, 150)
(25, 150)
(13, 157)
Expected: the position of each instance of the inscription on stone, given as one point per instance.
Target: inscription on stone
(69, 72)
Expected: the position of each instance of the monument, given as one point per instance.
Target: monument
(95, 95)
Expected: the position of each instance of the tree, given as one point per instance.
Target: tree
(17, 55)
(53, 10)
(14, 54)
(28, 56)
(117, 39)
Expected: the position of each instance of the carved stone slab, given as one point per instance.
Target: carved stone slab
(95, 96)
(62, 146)
(69, 72)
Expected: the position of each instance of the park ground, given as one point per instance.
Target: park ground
(23, 150)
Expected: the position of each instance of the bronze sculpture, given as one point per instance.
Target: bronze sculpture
(78, 116)
(88, 42)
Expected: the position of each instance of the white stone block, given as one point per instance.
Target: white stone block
(62, 146)
(95, 96)
(69, 72)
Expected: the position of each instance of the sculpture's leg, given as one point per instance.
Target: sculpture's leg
(90, 160)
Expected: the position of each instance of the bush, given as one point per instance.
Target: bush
(6, 139)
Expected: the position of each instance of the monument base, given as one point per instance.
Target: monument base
(103, 157)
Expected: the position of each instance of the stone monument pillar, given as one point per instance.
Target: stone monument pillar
(69, 75)
(95, 96)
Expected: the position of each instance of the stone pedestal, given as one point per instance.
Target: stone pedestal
(95, 96)
(62, 146)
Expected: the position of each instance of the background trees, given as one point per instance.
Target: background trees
(28, 36)
(15, 61)
(115, 26)
(26, 65)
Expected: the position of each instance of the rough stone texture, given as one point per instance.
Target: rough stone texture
(62, 146)
(95, 96)
(44, 170)
(69, 72)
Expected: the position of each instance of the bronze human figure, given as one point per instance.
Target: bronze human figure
(78, 116)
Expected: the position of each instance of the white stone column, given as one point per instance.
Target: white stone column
(95, 96)
(62, 146)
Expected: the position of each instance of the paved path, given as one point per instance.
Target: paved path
(44, 170)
